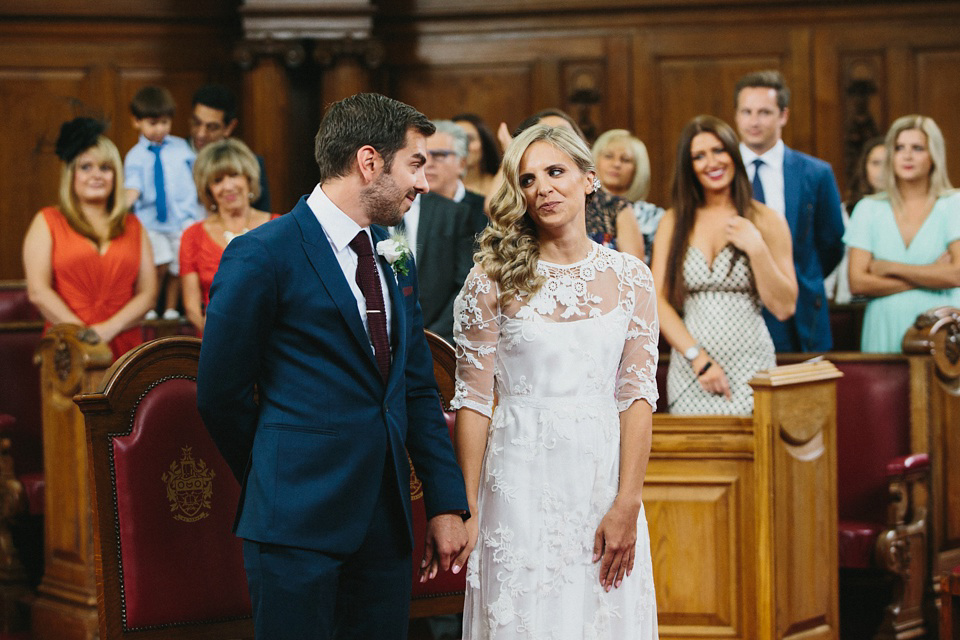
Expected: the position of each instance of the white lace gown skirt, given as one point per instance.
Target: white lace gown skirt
(550, 474)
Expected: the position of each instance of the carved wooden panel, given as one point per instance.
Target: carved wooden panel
(805, 508)
(701, 589)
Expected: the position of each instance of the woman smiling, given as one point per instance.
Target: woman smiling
(719, 257)
(228, 180)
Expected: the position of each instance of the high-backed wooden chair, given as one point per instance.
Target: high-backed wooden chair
(167, 564)
(443, 594)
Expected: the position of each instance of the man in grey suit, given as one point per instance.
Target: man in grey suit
(442, 232)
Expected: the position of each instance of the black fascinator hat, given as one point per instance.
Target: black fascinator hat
(76, 136)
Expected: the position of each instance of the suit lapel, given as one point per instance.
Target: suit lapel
(325, 264)
(791, 188)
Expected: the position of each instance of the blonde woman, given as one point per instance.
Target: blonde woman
(86, 261)
(564, 332)
(905, 242)
(228, 180)
(623, 167)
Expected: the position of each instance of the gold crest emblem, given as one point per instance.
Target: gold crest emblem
(189, 487)
(416, 487)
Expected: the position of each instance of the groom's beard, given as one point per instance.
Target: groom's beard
(384, 202)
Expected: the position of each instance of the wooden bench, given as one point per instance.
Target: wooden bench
(889, 520)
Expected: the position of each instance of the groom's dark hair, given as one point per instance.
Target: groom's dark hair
(364, 119)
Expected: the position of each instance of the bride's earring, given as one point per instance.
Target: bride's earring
(596, 185)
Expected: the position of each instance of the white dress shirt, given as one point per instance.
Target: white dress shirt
(771, 174)
(340, 229)
(461, 192)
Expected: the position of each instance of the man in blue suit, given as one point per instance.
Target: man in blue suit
(316, 380)
(803, 189)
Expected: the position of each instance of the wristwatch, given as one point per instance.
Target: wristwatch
(691, 353)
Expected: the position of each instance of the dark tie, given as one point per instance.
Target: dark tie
(369, 282)
(158, 181)
(757, 185)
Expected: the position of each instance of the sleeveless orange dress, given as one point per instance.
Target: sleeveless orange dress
(96, 286)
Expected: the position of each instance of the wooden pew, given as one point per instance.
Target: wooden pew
(72, 361)
(742, 514)
(932, 346)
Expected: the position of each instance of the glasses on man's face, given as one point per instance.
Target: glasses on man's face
(441, 154)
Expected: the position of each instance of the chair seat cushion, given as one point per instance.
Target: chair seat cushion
(857, 543)
(34, 486)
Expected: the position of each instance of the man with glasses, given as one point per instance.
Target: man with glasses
(441, 231)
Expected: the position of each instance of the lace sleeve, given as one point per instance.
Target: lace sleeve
(476, 329)
(637, 377)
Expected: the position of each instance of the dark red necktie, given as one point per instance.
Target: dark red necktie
(369, 282)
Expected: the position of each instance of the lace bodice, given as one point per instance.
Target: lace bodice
(591, 331)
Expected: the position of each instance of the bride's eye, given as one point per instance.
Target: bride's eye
(526, 181)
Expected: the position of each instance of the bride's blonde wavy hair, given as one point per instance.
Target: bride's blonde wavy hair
(509, 246)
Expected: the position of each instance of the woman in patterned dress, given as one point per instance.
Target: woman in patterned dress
(719, 257)
(563, 331)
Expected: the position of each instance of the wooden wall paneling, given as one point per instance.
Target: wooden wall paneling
(34, 103)
(938, 96)
(913, 61)
(799, 72)
(518, 73)
(694, 71)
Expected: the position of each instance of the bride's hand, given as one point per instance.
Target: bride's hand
(615, 542)
(473, 532)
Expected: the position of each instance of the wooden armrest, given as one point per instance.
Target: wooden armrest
(908, 464)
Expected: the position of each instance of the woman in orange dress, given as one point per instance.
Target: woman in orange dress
(228, 180)
(86, 261)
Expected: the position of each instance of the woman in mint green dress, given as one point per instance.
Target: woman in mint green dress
(905, 243)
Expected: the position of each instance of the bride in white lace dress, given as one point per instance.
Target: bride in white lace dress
(561, 335)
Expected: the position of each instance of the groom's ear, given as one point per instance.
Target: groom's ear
(369, 162)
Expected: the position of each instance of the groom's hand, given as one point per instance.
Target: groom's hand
(446, 538)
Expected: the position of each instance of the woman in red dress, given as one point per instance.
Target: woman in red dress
(228, 180)
(86, 261)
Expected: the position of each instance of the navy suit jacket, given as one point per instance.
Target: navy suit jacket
(813, 211)
(283, 325)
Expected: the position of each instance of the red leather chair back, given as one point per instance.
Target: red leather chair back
(165, 503)
(873, 426)
(20, 393)
(443, 594)
(15, 306)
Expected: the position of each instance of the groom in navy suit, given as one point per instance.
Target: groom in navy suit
(803, 189)
(316, 380)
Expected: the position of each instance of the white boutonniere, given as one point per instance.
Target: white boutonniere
(396, 251)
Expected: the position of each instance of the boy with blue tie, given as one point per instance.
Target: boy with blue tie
(158, 175)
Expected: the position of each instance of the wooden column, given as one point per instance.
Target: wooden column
(348, 66)
(72, 361)
(795, 422)
(266, 109)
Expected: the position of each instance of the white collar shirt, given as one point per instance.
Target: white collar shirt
(340, 229)
(771, 174)
(411, 221)
(461, 192)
